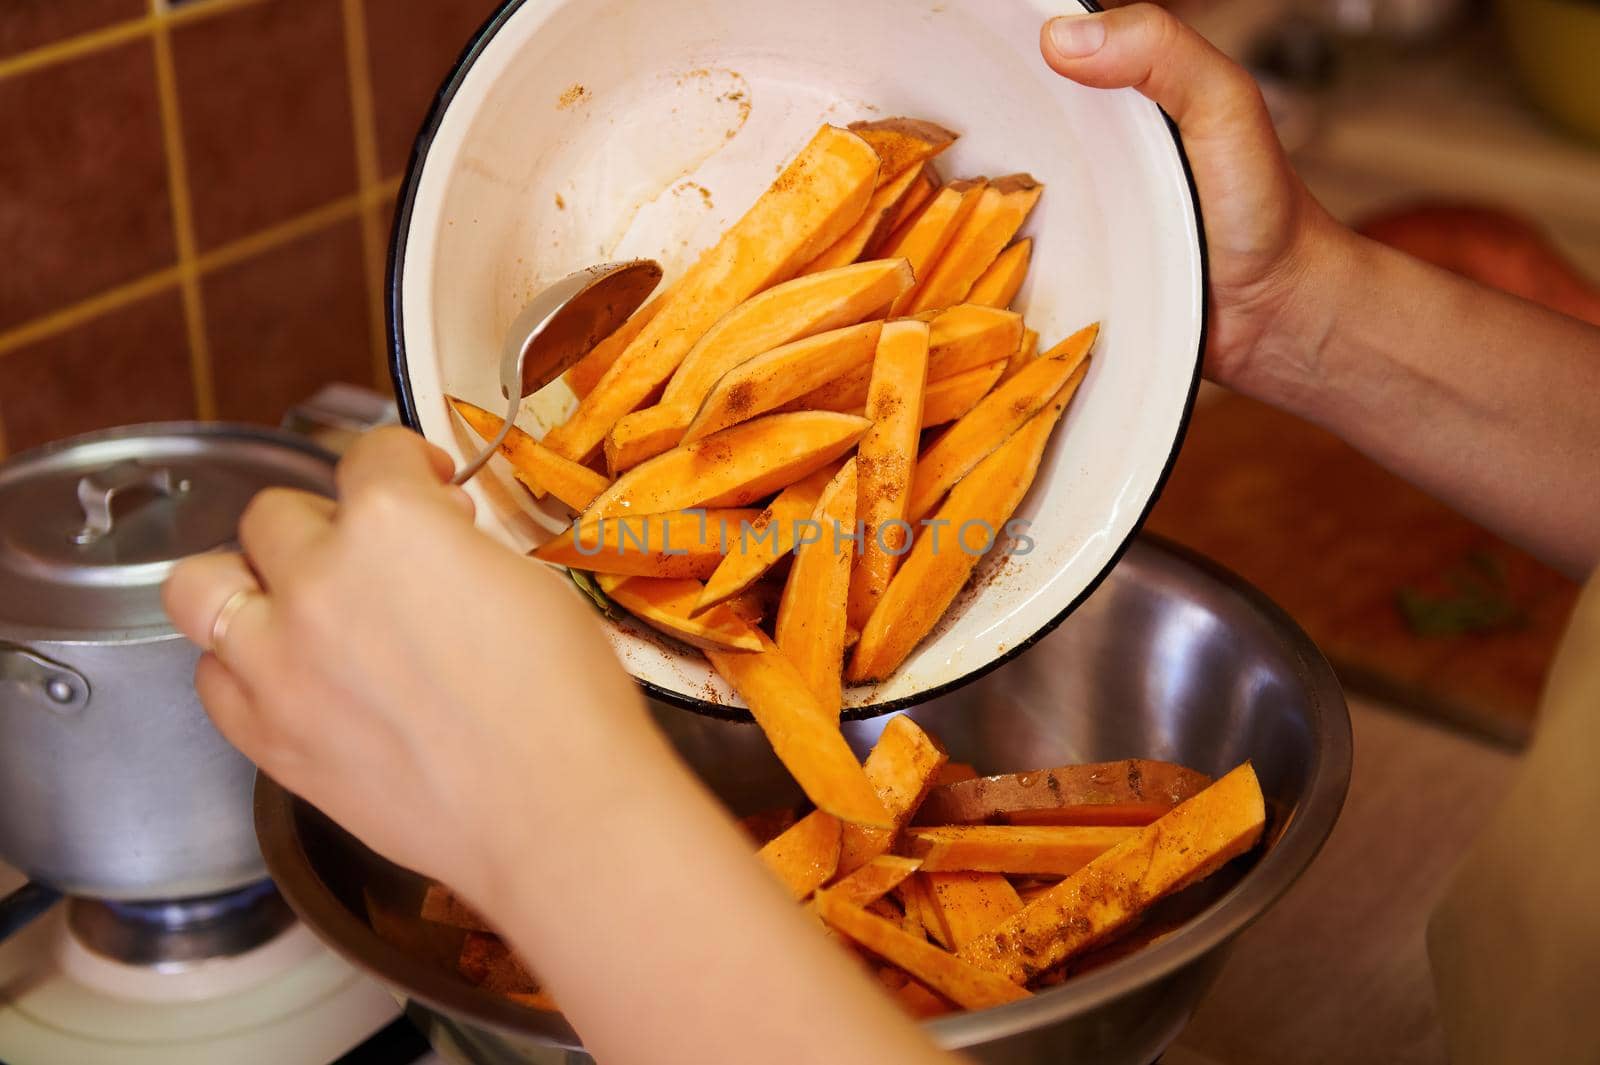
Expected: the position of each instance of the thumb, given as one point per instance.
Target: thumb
(1147, 48)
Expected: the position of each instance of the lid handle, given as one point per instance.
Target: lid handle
(98, 492)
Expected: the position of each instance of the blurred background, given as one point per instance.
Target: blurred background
(196, 195)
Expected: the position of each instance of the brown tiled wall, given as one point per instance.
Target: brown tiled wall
(195, 200)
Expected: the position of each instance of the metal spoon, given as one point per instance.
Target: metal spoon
(558, 328)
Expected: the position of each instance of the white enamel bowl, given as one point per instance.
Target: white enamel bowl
(580, 131)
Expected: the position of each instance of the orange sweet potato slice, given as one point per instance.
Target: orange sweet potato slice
(805, 855)
(1025, 353)
(772, 379)
(948, 399)
(536, 466)
(1038, 850)
(1094, 903)
(780, 315)
(764, 826)
(770, 536)
(733, 467)
(817, 197)
(966, 905)
(885, 460)
(982, 429)
(923, 190)
(810, 628)
(921, 1003)
(486, 961)
(900, 766)
(803, 733)
(963, 983)
(952, 773)
(872, 227)
(1000, 212)
(663, 603)
(683, 543)
(902, 144)
(1133, 791)
(998, 285)
(959, 339)
(443, 906)
(584, 374)
(932, 575)
(922, 239)
(876, 879)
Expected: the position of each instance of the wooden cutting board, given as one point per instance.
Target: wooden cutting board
(1410, 601)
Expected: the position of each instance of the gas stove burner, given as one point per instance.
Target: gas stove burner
(181, 932)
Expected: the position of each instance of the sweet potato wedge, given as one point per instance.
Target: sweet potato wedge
(443, 906)
(810, 627)
(998, 285)
(874, 880)
(486, 961)
(952, 773)
(966, 905)
(917, 916)
(764, 826)
(1132, 791)
(772, 379)
(584, 374)
(683, 543)
(1026, 352)
(911, 204)
(885, 458)
(803, 734)
(922, 239)
(663, 603)
(959, 339)
(770, 536)
(535, 465)
(805, 855)
(931, 577)
(780, 315)
(920, 1003)
(817, 197)
(982, 429)
(733, 467)
(902, 144)
(900, 767)
(1034, 850)
(872, 228)
(1000, 212)
(948, 399)
(964, 984)
(1186, 844)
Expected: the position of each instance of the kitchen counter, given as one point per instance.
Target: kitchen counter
(1337, 973)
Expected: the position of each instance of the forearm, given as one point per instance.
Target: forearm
(664, 939)
(1482, 399)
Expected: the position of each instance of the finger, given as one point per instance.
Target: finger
(198, 588)
(229, 705)
(279, 526)
(393, 455)
(463, 501)
(1149, 49)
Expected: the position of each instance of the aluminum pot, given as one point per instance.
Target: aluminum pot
(1169, 659)
(113, 783)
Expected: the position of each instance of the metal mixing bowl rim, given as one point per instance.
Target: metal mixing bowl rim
(405, 398)
(1271, 875)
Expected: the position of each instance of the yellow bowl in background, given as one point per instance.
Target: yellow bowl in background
(1556, 47)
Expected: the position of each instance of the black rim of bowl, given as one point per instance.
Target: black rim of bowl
(401, 377)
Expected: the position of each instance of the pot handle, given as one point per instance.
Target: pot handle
(23, 905)
(61, 688)
(98, 491)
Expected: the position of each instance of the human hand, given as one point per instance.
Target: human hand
(1267, 237)
(378, 662)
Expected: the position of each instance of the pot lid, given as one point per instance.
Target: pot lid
(91, 526)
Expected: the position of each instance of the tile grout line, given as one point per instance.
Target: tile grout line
(92, 41)
(363, 113)
(111, 299)
(182, 217)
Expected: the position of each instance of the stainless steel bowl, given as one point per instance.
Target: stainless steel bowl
(1171, 658)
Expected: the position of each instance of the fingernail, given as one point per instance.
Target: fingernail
(1076, 36)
